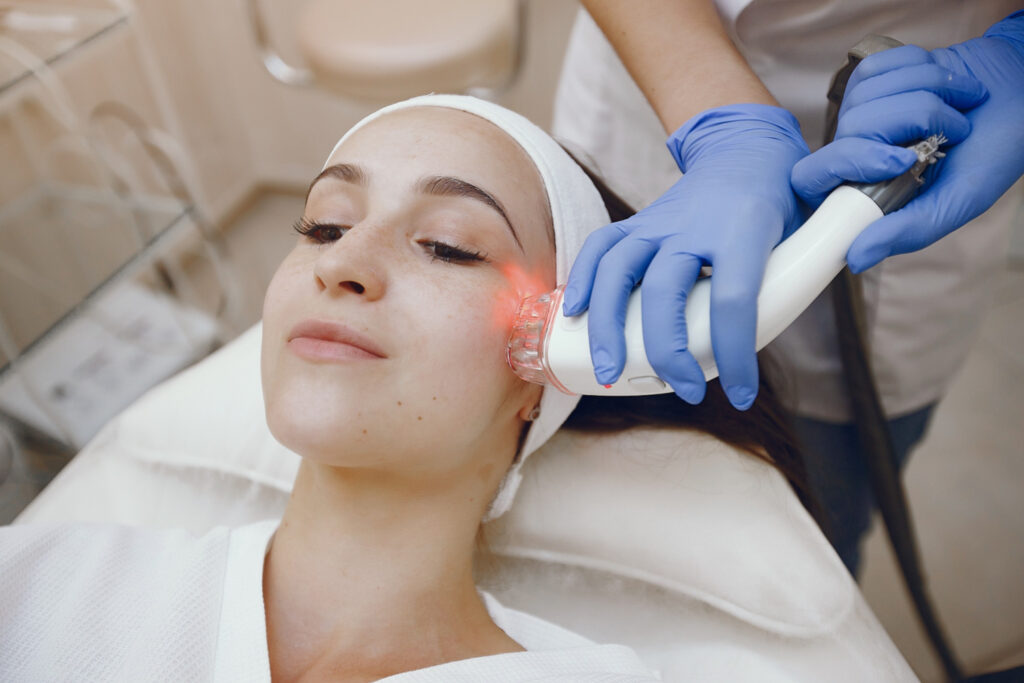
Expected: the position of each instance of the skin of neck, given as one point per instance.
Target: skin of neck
(370, 571)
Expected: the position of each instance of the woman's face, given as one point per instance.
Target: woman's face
(422, 235)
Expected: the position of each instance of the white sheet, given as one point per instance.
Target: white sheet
(697, 556)
(103, 603)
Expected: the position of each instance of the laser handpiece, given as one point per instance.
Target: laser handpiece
(546, 347)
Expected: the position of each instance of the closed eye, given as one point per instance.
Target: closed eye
(451, 254)
(319, 233)
(326, 233)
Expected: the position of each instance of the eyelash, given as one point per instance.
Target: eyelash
(314, 231)
(440, 251)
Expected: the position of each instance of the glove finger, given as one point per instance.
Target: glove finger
(903, 118)
(848, 160)
(666, 287)
(578, 287)
(957, 90)
(888, 60)
(619, 271)
(942, 208)
(735, 283)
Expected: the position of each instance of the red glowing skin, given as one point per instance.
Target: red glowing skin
(521, 284)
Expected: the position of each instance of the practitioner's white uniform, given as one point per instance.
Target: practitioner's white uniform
(924, 309)
(111, 603)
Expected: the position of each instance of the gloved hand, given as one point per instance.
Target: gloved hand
(730, 208)
(902, 95)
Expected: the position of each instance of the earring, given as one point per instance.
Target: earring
(534, 414)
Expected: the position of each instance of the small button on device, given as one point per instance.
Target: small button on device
(646, 382)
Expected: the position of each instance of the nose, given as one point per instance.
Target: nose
(353, 264)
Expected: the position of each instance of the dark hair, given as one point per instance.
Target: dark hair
(763, 430)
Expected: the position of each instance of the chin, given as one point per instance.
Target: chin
(341, 436)
(302, 428)
(315, 442)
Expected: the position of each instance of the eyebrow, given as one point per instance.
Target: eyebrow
(346, 172)
(447, 186)
(438, 186)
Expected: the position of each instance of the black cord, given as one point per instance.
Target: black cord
(873, 427)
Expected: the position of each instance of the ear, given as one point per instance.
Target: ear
(531, 400)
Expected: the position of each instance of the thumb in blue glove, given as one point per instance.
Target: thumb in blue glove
(730, 208)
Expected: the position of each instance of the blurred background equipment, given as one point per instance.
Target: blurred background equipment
(97, 224)
(394, 49)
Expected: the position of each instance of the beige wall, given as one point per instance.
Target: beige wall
(190, 68)
(243, 128)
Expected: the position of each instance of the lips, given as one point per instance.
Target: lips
(332, 340)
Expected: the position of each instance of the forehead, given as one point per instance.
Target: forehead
(403, 146)
(442, 141)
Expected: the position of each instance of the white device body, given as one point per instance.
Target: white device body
(798, 270)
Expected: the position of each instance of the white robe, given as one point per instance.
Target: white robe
(91, 602)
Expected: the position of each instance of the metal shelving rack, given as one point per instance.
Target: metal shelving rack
(117, 306)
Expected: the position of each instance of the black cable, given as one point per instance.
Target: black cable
(871, 421)
(880, 459)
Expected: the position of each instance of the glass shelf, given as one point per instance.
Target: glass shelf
(96, 304)
(52, 31)
(72, 242)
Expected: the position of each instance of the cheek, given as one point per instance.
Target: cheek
(468, 335)
(282, 286)
(280, 292)
(480, 322)
(518, 282)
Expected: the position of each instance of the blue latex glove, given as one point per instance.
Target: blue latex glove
(907, 93)
(730, 208)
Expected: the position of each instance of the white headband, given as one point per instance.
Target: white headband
(576, 210)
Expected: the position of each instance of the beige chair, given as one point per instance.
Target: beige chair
(388, 50)
(698, 556)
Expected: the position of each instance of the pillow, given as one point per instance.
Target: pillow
(674, 508)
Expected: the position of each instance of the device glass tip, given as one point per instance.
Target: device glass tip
(526, 340)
